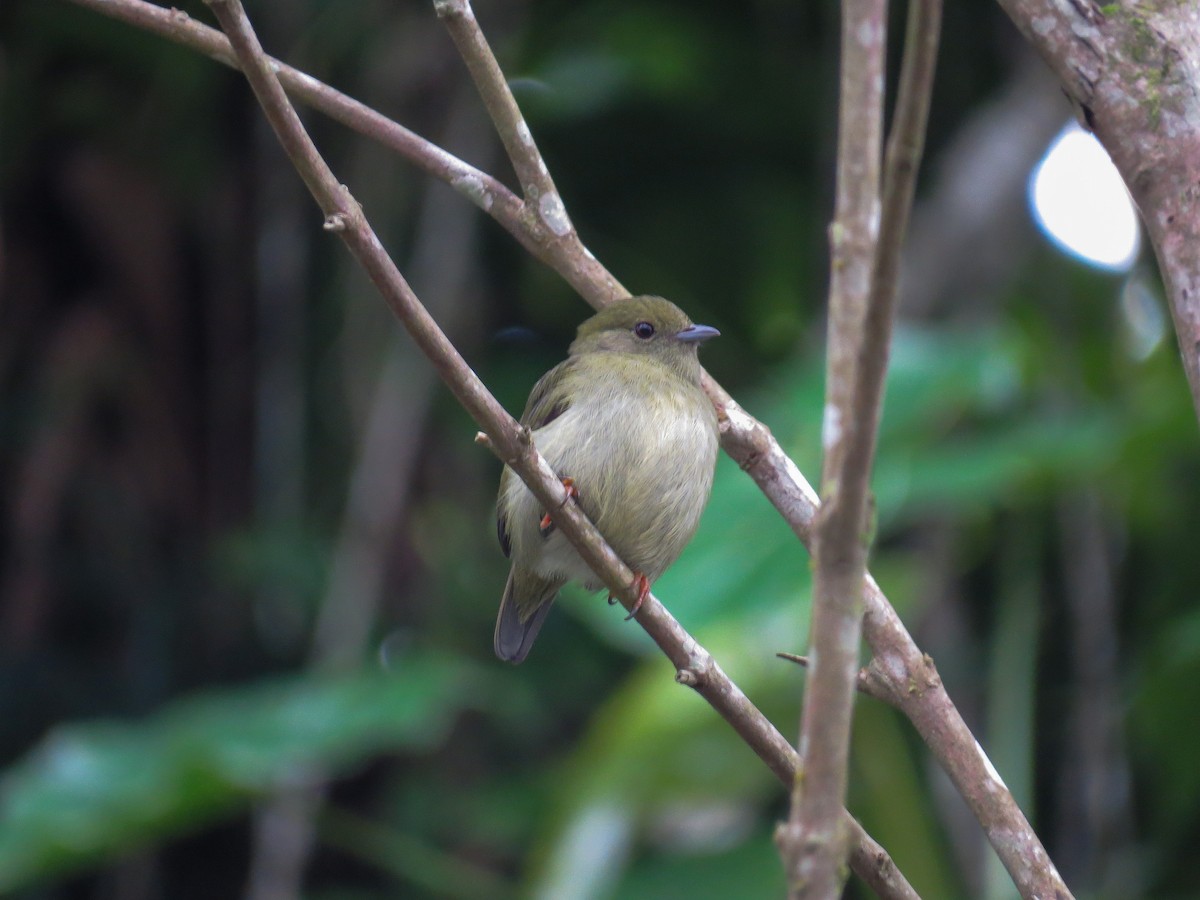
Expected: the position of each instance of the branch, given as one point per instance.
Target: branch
(863, 291)
(899, 672)
(545, 216)
(917, 690)
(481, 189)
(536, 183)
(812, 844)
(905, 147)
(695, 667)
(1132, 72)
(285, 824)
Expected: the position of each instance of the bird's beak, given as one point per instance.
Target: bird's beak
(696, 334)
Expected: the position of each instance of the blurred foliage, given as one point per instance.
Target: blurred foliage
(92, 791)
(187, 367)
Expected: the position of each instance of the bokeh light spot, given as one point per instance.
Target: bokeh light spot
(1081, 203)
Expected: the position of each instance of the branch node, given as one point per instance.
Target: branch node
(931, 675)
(554, 214)
(483, 440)
(335, 222)
(472, 186)
(444, 8)
(699, 670)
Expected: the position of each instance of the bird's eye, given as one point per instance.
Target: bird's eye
(644, 330)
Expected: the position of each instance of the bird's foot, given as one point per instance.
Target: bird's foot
(641, 584)
(546, 525)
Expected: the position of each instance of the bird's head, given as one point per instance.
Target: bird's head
(646, 326)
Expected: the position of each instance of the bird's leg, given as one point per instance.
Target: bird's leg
(641, 584)
(546, 526)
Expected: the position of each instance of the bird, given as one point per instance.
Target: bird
(625, 425)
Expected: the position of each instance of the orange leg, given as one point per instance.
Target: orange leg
(546, 526)
(642, 585)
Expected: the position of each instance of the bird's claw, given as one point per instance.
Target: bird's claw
(546, 525)
(641, 584)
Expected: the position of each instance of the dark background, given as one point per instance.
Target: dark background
(248, 573)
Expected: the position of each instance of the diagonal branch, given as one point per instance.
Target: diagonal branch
(513, 444)
(532, 173)
(481, 189)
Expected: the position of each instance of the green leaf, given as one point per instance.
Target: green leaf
(89, 791)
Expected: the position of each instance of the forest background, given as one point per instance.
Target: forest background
(248, 572)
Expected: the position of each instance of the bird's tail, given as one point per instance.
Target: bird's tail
(517, 625)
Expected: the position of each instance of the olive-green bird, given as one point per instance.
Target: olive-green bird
(623, 421)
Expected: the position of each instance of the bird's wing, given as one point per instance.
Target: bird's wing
(549, 398)
(547, 401)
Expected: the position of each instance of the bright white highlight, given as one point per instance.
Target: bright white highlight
(987, 764)
(554, 214)
(831, 426)
(1081, 203)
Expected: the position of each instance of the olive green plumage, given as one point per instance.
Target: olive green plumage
(624, 417)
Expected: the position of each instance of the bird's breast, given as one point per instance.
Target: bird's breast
(643, 466)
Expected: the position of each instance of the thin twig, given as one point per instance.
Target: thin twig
(545, 215)
(905, 147)
(478, 187)
(868, 681)
(513, 444)
(473, 47)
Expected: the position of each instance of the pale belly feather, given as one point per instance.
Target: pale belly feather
(654, 494)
